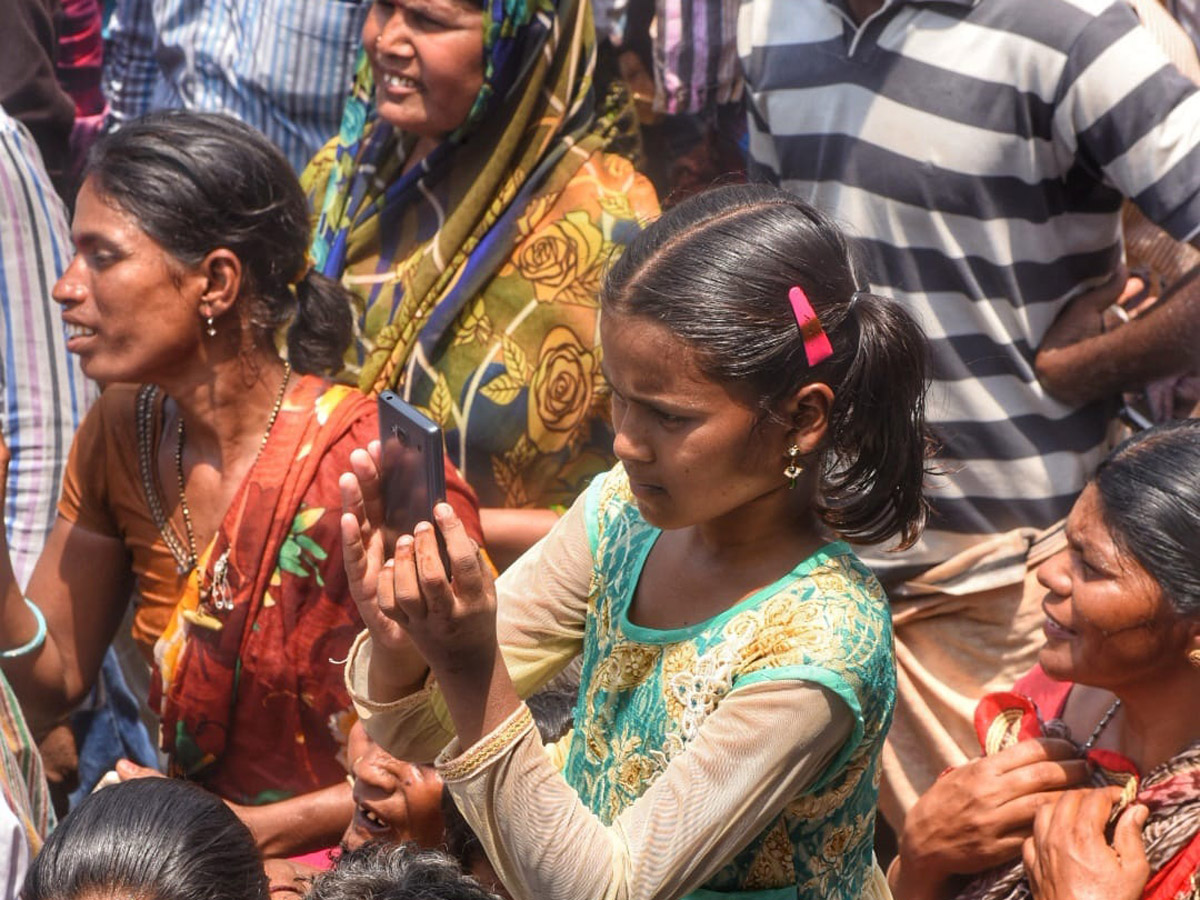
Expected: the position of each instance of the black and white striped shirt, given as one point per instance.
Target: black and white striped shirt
(979, 150)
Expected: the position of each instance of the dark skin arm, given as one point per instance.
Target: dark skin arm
(83, 604)
(300, 824)
(1079, 361)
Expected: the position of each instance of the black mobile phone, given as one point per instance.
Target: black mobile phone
(414, 468)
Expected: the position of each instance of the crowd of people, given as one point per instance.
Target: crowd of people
(819, 383)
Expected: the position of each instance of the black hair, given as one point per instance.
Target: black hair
(553, 713)
(381, 871)
(198, 181)
(717, 270)
(149, 839)
(1150, 498)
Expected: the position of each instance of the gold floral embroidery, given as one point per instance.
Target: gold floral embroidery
(693, 689)
(626, 666)
(639, 714)
(773, 866)
(816, 806)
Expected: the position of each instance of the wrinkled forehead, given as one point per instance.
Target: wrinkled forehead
(641, 355)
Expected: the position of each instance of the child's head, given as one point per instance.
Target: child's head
(703, 304)
(150, 839)
(386, 871)
(395, 800)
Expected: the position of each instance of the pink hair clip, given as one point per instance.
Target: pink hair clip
(817, 348)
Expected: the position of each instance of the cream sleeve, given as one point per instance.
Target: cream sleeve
(761, 747)
(541, 611)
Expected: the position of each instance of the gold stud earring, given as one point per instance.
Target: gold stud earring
(1194, 658)
(793, 470)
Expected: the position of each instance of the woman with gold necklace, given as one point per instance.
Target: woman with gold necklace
(205, 479)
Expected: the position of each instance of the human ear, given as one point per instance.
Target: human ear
(1193, 645)
(808, 413)
(222, 273)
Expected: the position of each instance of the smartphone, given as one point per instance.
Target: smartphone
(414, 468)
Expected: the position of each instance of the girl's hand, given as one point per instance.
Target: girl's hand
(452, 622)
(396, 667)
(1068, 857)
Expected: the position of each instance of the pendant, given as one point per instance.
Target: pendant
(221, 594)
(200, 620)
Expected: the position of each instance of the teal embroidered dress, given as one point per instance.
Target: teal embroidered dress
(645, 694)
(711, 759)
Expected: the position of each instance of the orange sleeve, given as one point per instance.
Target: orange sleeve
(85, 492)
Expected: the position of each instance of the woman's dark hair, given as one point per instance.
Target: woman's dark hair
(195, 182)
(149, 839)
(717, 270)
(1150, 497)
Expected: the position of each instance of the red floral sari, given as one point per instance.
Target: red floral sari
(252, 698)
(1171, 791)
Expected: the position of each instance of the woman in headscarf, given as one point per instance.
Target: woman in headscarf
(471, 202)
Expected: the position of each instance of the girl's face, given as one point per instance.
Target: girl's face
(132, 312)
(694, 451)
(1108, 623)
(427, 58)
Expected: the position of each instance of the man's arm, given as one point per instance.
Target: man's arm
(1130, 116)
(1083, 358)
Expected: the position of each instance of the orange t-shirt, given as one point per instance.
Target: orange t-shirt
(102, 492)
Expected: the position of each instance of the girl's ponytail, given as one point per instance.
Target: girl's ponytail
(719, 271)
(872, 489)
(322, 328)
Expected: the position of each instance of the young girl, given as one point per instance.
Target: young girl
(737, 673)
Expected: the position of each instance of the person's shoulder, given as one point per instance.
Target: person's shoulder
(343, 413)
(621, 190)
(830, 607)
(1055, 24)
(838, 572)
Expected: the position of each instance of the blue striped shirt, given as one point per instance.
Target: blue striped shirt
(282, 66)
(44, 393)
(979, 151)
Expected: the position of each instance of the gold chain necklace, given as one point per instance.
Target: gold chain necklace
(193, 556)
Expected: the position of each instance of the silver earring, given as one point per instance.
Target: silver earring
(211, 330)
(793, 470)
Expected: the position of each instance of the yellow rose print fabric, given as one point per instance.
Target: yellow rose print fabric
(646, 693)
(477, 271)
